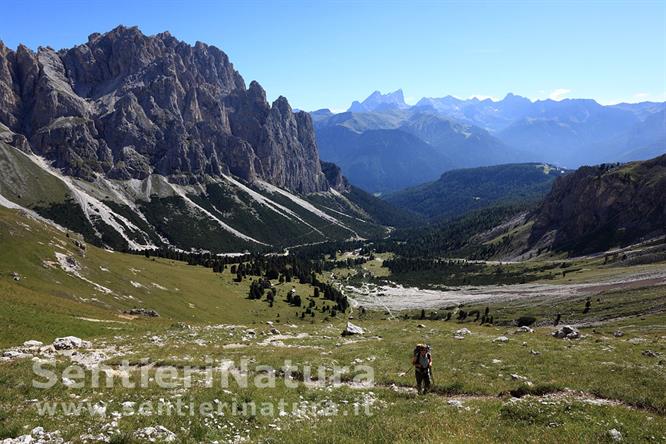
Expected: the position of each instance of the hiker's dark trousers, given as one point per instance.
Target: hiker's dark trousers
(422, 379)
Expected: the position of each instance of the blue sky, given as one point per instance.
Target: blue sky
(328, 53)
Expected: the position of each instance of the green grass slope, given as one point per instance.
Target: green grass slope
(48, 301)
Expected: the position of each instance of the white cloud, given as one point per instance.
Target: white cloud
(559, 93)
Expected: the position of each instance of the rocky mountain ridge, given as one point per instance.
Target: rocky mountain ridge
(378, 101)
(604, 206)
(139, 142)
(125, 105)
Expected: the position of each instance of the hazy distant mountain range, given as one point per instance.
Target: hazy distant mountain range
(372, 143)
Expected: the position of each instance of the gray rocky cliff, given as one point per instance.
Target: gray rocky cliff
(599, 207)
(127, 105)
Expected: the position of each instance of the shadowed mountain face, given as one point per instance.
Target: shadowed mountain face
(126, 105)
(599, 207)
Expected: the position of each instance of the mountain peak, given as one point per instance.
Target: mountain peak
(122, 30)
(380, 102)
(165, 92)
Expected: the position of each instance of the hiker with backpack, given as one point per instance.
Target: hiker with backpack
(422, 362)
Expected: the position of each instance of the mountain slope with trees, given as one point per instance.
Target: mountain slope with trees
(460, 191)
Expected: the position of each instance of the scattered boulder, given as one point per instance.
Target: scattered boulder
(37, 435)
(525, 329)
(566, 332)
(455, 403)
(352, 330)
(462, 332)
(70, 343)
(37, 431)
(157, 433)
(275, 331)
(618, 334)
(637, 340)
(523, 379)
(150, 313)
(89, 437)
(128, 405)
(503, 339)
(99, 409)
(615, 435)
(155, 339)
(535, 353)
(16, 276)
(420, 326)
(15, 354)
(32, 344)
(651, 353)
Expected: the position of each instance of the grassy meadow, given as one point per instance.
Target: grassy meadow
(531, 388)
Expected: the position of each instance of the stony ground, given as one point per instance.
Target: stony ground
(491, 384)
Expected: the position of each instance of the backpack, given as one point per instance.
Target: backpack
(418, 348)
